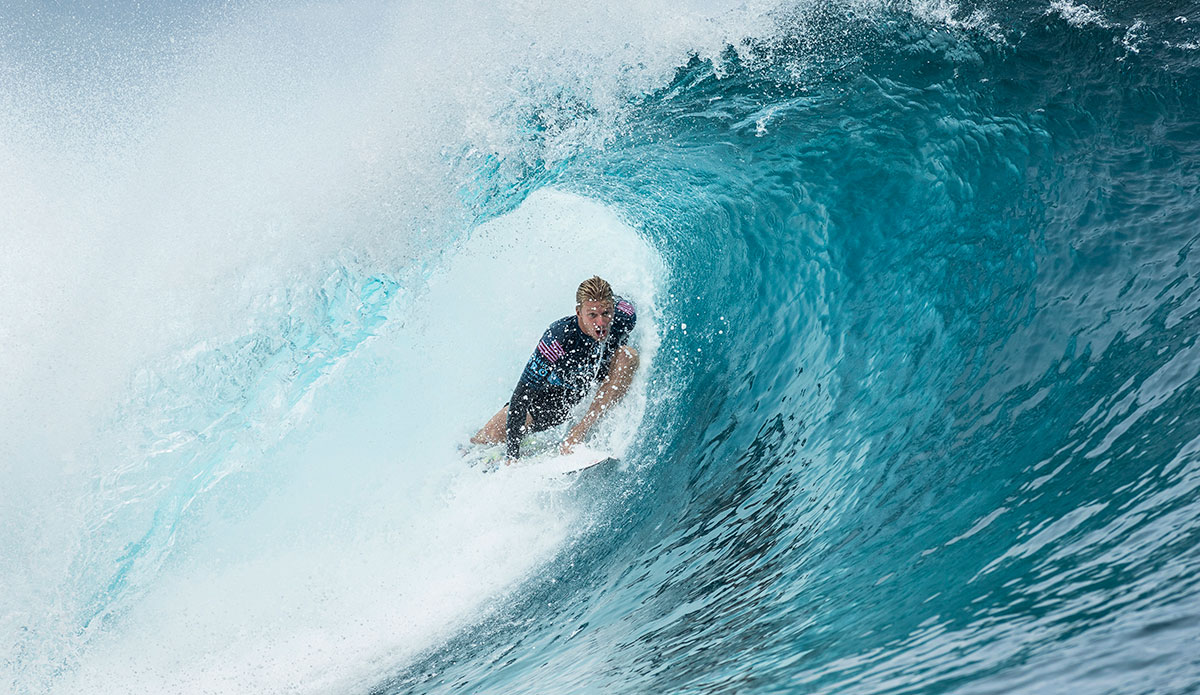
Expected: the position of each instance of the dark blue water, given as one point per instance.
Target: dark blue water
(918, 414)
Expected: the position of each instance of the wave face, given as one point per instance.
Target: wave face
(918, 317)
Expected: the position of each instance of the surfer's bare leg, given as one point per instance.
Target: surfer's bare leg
(624, 365)
(496, 429)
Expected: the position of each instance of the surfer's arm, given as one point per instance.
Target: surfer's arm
(625, 363)
(514, 427)
(536, 370)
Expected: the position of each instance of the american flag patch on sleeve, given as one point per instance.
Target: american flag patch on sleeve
(625, 307)
(551, 351)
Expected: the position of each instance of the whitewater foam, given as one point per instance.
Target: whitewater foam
(371, 541)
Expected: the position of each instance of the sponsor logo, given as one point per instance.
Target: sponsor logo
(537, 370)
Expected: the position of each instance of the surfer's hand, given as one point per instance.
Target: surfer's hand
(573, 437)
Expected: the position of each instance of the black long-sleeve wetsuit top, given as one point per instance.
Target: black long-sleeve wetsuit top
(564, 365)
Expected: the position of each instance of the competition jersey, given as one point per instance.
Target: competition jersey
(564, 365)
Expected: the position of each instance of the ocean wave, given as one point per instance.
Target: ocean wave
(917, 309)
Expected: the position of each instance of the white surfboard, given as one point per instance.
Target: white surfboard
(549, 461)
(580, 458)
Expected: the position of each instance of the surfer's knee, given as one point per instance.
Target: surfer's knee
(493, 430)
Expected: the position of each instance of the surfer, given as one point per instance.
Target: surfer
(574, 353)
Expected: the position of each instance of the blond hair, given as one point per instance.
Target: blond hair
(593, 289)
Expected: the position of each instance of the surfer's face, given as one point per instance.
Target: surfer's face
(595, 318)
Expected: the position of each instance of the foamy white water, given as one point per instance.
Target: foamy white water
(372, 540)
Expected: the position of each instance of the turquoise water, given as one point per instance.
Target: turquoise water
(917, 309)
